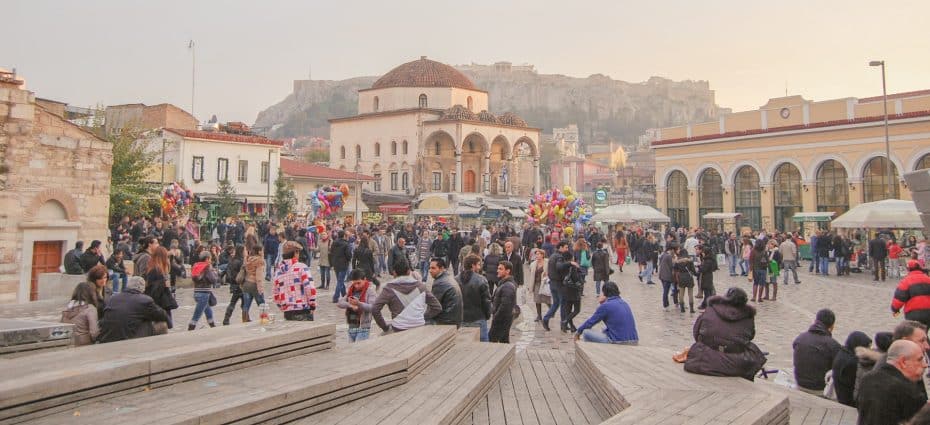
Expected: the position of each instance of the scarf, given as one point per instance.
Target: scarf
(353, 317)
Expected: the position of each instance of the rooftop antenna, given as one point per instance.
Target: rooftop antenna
(190, 46)
(786, 88)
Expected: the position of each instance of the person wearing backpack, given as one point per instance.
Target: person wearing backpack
(572, 287)
(235, 285)
(774, 269)
(205, 278)
(683, 272)
(706, 270)
(600, 263)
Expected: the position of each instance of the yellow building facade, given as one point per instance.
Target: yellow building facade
(791, 155)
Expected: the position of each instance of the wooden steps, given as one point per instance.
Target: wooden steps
(46, 383)
(277, 391)
(445, 392)
(659, 391)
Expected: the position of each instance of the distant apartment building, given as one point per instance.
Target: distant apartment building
(567, 139)
(147, 117)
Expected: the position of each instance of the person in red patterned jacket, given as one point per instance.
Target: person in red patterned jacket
(294, 292)
(913, 294)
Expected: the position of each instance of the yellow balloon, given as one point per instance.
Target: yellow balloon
(567, 190)
(569, 231)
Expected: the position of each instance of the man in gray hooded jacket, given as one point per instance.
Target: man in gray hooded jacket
(402, 297)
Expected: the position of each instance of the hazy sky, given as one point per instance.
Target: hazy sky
(249, 52)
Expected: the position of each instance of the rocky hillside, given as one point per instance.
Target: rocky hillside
(602, 107)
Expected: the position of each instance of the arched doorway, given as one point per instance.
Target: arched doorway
(677, 199)
(875, 183)
(523, 176)
(923, 163)
(710, 195)
(473, 150)
(468, 182)
(787, 187)
(748, 203)
(437, 164)
(832, 189)
(500, 168)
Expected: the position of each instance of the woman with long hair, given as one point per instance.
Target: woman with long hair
(251, 238)
(175, 262)
(758, 270)
(253, 288)
(98, 276)
(540, 274)
(82, 313)
(582, 255)
(364, 259)
(235, 289)
(621, 246)
(157, 285)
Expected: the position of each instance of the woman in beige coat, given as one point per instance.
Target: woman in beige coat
(82, 313)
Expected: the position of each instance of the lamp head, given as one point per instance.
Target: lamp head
(876, 63)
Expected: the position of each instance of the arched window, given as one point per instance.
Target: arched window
(471, 146)
(377, 149)
(710, 195)
(923, 163)
(746, 188)
(677, 194)
(423, 102)
(375, 105)
(358, 152)
(393, 147)
(832, 188)
(875, 180)
(342, 152)
(405, 181)
(471, 106)
(437, 148)
(403, 149)
(787, 187)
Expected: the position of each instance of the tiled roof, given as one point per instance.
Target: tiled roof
(424, 73)
(891, 117)
(486, 116)
(225, 137)
(458, 112)
(901, 95)
(303, 169)
(509, 118)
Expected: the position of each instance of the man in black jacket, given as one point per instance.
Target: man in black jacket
(447, 291)
(131, 314)
(556, 276)
(887, 394)
(516, 260)
(878, 253)
(502, 304)
(398, 254)
(339, 258)
(814, 351)
(92, 256)
(72, 261)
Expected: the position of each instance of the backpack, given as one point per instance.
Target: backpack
(574, 279)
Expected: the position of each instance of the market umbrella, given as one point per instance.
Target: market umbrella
(890, 213)
(630, 213)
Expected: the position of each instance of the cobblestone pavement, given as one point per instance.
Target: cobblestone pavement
(859, 304)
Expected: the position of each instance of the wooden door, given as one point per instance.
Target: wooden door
(46, 258)
(468, 184)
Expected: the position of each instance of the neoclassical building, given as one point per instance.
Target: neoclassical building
(791, 155)
(425, 128)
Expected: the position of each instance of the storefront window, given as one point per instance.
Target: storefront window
(677, 194)
(748, 204)
(875, 180)
(787, 189)
(832, 188)
(710, 195)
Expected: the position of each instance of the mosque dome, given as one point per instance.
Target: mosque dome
(510, 118)
(424, 73)
(459, 112)
(486, 116)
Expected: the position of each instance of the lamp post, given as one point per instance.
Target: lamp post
(889, 191)
(268, 187)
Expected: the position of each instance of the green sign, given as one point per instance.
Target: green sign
(600, 198)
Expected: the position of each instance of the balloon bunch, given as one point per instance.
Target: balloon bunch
(565, 209)
(327, 200)
(176, 200)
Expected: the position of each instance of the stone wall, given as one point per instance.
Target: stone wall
(46, 159)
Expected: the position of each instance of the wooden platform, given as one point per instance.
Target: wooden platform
(278, 391)
(46, 383)
(661, 392)
(541, 387)
(444, 393)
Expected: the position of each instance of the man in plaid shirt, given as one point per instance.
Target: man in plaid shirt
(293, 290)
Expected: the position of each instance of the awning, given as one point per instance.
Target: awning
(467, 211)
(394, 208)
(721, 216)
(822, 216)
(432, 211)
(516, 213)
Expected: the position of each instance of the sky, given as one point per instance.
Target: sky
(248, 53)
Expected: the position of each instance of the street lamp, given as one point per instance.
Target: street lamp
(889, 190)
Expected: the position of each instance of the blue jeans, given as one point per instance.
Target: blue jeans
(116, 278)
(732, 261)
(600, 337)
(203, 306)
(556, 304)
(246, 302)
(743, 267)
(382, 264)
(424, 269)
(825, 265)
(597, 286)
(325, 277)
(647, 272)
(358, 334)
(340, 285)
(269, 266)
(841, 264)
(482, 326)
(814, 265)
(669, 287)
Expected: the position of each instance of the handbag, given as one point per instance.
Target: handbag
(212, 300)
(240, 277)
(544, 289)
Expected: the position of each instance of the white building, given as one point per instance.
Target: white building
(424, 127)
(201, 159)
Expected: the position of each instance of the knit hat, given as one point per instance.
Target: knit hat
(290, 247)
(136, 283)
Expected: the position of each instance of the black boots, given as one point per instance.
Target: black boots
(191, 327)
(545, 324)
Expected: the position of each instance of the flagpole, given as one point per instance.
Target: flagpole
(190, 45)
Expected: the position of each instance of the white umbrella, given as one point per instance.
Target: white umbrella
(630, 213)
(890, 213)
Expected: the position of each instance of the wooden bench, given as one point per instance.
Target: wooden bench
(46, 383)
(274, 392)
(445, 393)
(654, 390)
